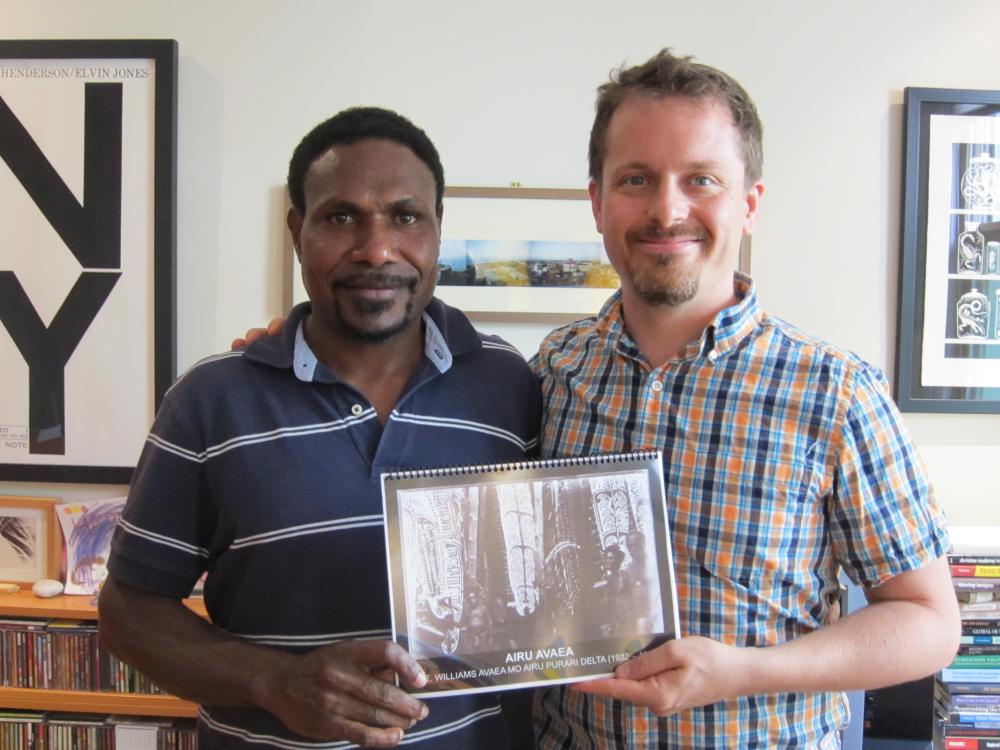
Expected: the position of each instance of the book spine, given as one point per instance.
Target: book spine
(980, 615)
(975, 703)
(970, 743)
(980, 626)
(978, 718)
(951, 729)
(976, 660)
(976, 584)
(975, 571)
(950, 674)
(969, 688)
(974, 559)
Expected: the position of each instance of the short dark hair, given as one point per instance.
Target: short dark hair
(666, 74)
(358, 124)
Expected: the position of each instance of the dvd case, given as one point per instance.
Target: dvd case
(512, 575)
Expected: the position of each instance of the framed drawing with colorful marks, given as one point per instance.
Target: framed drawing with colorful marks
(88, 528)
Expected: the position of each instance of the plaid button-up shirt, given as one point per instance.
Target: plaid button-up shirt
(785, 459)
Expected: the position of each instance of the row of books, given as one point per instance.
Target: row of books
(967, 692)
(63, 655)
(52, 731)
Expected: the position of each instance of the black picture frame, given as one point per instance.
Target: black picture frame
(943, 364)
(112, 106)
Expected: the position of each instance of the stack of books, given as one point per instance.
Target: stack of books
(967, 692)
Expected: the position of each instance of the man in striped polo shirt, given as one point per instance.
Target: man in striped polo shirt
(263, 468)
(785, 458)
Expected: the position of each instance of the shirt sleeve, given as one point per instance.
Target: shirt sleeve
(885, 518)
(162, 542)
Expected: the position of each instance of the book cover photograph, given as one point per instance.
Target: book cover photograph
(513, 575)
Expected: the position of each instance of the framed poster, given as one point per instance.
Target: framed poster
(30, 542)
(513, 575)
(948, 350)
(88, 133)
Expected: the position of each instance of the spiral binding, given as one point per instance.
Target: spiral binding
(548, 463)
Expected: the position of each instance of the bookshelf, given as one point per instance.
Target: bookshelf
(27, 605)
(80, 701)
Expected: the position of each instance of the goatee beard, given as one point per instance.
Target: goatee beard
(378, 336)
(367, 308)
(677, 288)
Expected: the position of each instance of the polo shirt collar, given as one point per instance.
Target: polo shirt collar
(304, 360)
(722, 335)
(447, 333)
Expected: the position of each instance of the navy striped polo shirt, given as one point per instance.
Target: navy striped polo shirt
(263, 468)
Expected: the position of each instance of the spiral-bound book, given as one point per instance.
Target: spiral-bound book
(511, 575)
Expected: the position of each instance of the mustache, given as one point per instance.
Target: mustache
(655, 232)
(375, 280)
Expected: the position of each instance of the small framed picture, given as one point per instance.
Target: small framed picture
(30, 542)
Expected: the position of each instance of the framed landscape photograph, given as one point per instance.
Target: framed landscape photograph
(514, 575)
(515, 250)
(948, 350)
(30, 541)
(88, 133)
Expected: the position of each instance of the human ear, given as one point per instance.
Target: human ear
(595, 204)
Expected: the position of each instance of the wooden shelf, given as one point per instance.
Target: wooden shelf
(63, 607)
(80, 701)
(26, 604)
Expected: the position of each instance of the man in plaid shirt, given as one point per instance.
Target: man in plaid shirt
(785, 457)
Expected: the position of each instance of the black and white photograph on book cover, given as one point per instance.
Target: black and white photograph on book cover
(537, 572)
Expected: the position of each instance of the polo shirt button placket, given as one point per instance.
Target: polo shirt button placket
(357, 409)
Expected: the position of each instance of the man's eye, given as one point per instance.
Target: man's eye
(636, 180)
(703, 180)
(339, 217)
(408, 217)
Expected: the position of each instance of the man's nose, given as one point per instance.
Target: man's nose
(375, 245)
(669, 204)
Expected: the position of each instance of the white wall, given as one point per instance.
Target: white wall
(506, 92)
